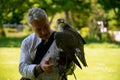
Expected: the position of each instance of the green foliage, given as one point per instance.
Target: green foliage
(12, 11)
(112, 9)
(109, 4)
(78, 13)
(84, 32)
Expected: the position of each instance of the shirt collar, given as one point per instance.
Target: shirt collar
(39, 40)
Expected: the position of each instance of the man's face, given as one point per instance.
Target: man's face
(41, 28)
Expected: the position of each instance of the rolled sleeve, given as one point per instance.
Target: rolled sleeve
(26, 69)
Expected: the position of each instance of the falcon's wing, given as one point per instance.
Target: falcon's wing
(66, 42)
(76, 34)
(80, 46)
(65, 38)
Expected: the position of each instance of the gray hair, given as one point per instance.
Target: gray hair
(36, 14)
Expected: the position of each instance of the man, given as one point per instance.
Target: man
(46, 69)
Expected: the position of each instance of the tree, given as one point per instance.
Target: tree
(76, 11)
(12, 11)
(113, 5)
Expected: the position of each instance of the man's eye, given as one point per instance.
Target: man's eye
(39, 29)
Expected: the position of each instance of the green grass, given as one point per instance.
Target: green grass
(13, 38)
(103, 63)
(103, 59)
(9, 58)
(10, 41)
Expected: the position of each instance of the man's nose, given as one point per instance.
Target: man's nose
(42, 32)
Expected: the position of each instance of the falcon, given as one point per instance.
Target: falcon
(71, 42)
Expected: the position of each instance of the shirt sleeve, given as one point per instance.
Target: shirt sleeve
(26, 69)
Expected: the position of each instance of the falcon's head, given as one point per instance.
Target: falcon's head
(60, 24)
(60, 20)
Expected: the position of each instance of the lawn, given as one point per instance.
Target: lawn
(103, 63)
(9, 58)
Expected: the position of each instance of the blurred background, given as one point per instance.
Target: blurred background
(98, 21)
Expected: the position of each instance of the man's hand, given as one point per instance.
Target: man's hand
(47, 66)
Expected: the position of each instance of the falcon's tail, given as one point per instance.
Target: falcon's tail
(81, 56)
(69, 53)
(73, 58)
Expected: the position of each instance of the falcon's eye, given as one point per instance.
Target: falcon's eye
(62, 20)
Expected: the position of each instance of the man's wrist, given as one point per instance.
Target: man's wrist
(38, 70)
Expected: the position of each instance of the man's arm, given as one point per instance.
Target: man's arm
(26, 68)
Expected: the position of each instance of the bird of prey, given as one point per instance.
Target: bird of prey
(71, 42)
